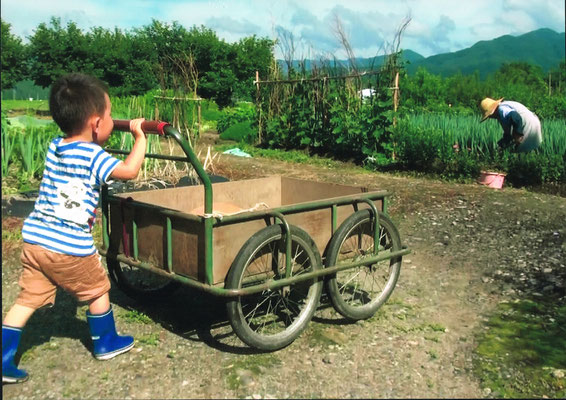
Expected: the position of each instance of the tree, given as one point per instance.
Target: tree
(219, 82)
(521, 82)
(557, 79)
(463, 91)
(424, 90)
(14, 67)
(554, 104)
(122, 61)
(142, 59)
(55, 51)
(252, 54)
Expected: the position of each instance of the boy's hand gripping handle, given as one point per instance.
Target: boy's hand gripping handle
(156, 127)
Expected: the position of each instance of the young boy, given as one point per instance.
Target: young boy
(58, 247)
(520, 125)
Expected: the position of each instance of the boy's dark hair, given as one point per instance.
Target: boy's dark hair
(74, 98)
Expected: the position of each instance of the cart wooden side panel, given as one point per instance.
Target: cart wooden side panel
(187, 256)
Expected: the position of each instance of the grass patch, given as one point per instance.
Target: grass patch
(25, 105)
(294, 156)
(256, 364)
(322, 335)
(432, 354)
(28, 355)
(434, 339)
(151, 339)
(518, 356)
(137, 317)
(437, 327)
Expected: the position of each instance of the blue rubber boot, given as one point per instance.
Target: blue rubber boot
(107, 343)
(10, 341)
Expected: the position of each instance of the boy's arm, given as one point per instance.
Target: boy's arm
(129, 168)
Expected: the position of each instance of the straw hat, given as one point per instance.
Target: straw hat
(488, 105)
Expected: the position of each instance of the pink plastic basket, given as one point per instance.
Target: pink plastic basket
(492, 179)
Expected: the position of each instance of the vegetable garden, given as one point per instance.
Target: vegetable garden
(325, 119)
(319, 110)
(330, 117)
(459, 147)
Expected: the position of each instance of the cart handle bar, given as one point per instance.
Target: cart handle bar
(156, 127)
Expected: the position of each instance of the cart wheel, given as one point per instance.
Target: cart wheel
(272, 319)
(357, 293)
(138, 283)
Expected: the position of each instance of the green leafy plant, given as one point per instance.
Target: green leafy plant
(8, 141)
(33, 143)
(28, 145)
(240, 132)
(244, 112)
(323, 112)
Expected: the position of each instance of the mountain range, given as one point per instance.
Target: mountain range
(542, 47)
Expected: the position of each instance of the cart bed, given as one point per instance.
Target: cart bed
(187, 253)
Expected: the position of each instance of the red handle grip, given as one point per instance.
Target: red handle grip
(147, 126)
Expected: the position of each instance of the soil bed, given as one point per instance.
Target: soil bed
(472, 248)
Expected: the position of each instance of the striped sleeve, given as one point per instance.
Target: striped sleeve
(102, 165)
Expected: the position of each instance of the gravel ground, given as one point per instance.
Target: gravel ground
(472, 247)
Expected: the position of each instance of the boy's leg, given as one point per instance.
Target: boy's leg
(18, 316)
(100, 305)
(86, 279)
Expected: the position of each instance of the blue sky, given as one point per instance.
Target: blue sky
(436, 26)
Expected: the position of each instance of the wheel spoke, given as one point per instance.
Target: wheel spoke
(376, 281)
(354, 276)
(258, 306)
(275, 311)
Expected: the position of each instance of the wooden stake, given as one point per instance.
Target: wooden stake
(199, 121)
(395, 105)
(396, 92)
(257, 105)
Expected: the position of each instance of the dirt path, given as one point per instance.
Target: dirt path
(472, 247)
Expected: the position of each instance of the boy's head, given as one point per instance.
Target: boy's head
(74, 99)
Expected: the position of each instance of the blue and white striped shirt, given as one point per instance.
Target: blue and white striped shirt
(65, 210)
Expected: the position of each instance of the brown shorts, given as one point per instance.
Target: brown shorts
(44, 270)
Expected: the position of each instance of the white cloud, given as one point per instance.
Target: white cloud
(437, 25)
(232, 26)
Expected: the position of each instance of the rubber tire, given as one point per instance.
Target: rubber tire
(254, 246)
(364, 219)
(136, 292)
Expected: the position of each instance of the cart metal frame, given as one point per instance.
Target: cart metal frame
(210, 221)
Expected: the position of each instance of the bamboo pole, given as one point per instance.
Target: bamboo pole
(258, 106)
(199, 120)
(396, 92)
(395, 106)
